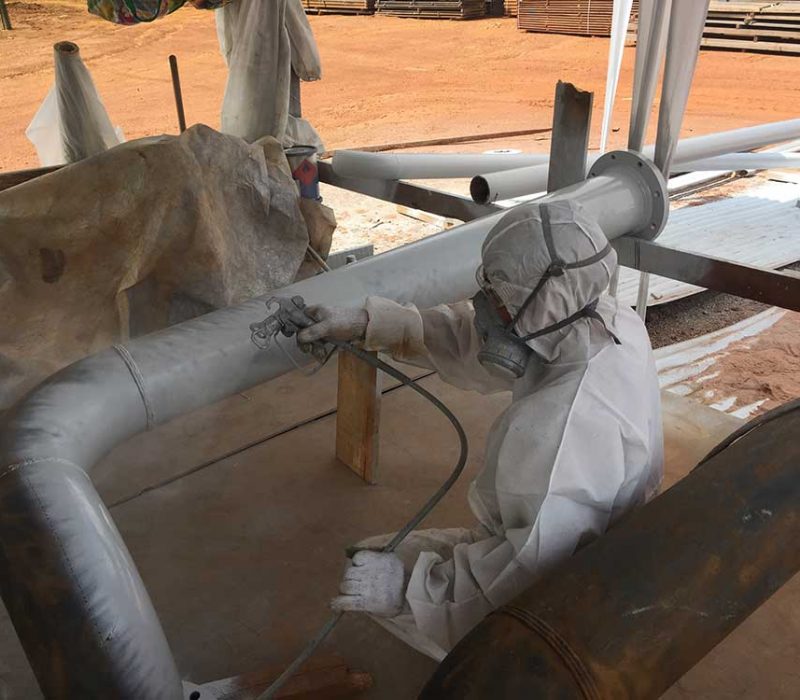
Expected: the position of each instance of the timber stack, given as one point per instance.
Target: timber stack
(753, 26)
(433, 9)
(582, 17)
(339, 7)
(510, 8)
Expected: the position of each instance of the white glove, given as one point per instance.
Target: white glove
(374, 582)
(334, 323)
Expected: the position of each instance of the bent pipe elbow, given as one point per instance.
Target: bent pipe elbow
(72, 591)
(630, 614)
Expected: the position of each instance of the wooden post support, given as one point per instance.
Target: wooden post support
(358, 416)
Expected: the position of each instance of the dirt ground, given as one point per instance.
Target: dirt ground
(386, 79)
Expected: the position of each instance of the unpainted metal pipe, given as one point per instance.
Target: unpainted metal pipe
(630, 614)
(422, 166)
(508, 184)
(67, 580)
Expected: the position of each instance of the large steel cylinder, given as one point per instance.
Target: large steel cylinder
(631, 613)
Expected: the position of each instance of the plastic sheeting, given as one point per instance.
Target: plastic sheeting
(145, 234)
(262, 42)
(72, 123)
(305, 54)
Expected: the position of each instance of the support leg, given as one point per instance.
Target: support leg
(358, 416)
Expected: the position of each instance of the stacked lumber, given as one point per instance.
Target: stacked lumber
(433, 9)
(510, 8)
(584, 17)
(753, 26)
(340, 7)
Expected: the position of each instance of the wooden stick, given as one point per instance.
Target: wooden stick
(176, 87)
(447, 141)
(5, 16)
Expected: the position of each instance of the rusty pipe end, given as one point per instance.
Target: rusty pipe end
(508, 656)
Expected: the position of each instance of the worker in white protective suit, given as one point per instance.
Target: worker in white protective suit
(579, 446)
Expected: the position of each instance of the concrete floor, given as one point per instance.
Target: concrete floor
(242, 555)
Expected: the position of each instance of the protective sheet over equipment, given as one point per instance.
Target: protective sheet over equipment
(262, 42)
(184, 224)
(71, 123)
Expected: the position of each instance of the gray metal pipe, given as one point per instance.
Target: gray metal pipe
(71, 589)
(508, 184)
(418, 166)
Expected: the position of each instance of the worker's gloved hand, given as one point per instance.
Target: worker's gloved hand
(334, 323)
(373, 583)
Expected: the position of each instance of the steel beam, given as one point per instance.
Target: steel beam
(444, 204)
(767, 286)
(569, 147)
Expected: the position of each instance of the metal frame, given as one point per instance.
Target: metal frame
(759, 284)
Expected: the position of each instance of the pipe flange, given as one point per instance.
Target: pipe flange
(651, 181)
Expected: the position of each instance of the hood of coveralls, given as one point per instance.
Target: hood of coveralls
(515, 257)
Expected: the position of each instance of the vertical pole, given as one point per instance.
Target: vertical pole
(572, 117)
(641, 297)
(176, 87)
(4, 16)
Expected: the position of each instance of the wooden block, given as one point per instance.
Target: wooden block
(358, 416)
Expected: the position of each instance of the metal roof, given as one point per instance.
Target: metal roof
(759, 226)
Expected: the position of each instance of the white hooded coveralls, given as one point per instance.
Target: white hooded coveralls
(579, 446)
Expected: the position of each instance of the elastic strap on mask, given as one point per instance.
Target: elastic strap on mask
(588, 311)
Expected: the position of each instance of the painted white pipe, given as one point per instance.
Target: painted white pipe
(650, 43)
(517, 183)
(621, 15)
(745, 161)
(424, 166)
(686, 22)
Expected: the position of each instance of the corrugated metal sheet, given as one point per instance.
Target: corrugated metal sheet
(760, 226)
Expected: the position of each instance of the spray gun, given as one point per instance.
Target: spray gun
(288, 319)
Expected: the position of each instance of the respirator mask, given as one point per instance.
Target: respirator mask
(504, 353)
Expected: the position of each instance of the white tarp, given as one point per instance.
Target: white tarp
(144, 234)
(262, 42)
